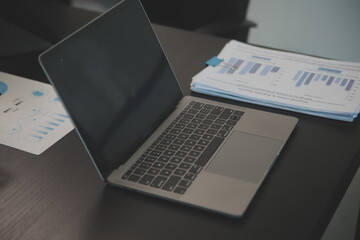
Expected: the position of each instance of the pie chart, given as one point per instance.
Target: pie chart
(3, 88)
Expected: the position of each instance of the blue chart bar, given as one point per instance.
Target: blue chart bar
(266, 70)
(302, 79)
(329, 82)
(255, 68)
(337, 80)
(297, 75)
(235, 66)
(324, 78)
(275, 69)
(227, 65)
(329, 70)
(343, 83)
(262, 58)
(349, 86)
(246, 68)
(318, 76)
(308, 80)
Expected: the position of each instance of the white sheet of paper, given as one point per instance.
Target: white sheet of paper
(31, 116)
(284, 80)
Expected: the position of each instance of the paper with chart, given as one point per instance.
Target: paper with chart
(289, 81)
(31, 115)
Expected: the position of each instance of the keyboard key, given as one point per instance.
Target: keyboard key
(198, 105)
(217, 110)
(134, 178)
(209, 106)
(189, 159)
(179, 141)
(190, 177)
(239, 113)
(211, 117)
(176, 160)
(174, 147)
(175, 131)
(180, 125)
(180, 154)
(231, 122)
(170, 136)
(146, 180)
(199, 148)
(199, 131)
(203, 142)
(226, 113)
(180, 172)
(180, 190)
(209, 151)
(194, 154)
(165, 172)
(195, 137)
(207, 136)
(183, 136)
(188, 131)
(165, 142)
(139, 171)
(227, 127)
(207, 122)
(171, 183)
(185, 166)
(184, 183)
(171, 166)
(220, 121)
(184, 121)
(204, 111)
(155, 153)
(160, 147)
(193, 111)
(164, 159)
(150, 159)
(204, 126)
(159, 165)
(145, 165)
(186, 148)
(127, 174)
(190, 142)
(195, 169)
(153, 171)
(158, 182)
(222, 133)
(196, 121)
(212, 131)
(200, 116)
(216, 126)
(169, 153)
(235, 117)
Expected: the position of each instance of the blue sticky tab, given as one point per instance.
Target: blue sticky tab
(214, 61)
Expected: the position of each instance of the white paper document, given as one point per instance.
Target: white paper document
(31, 115)
(284, 80)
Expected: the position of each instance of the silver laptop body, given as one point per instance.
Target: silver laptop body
(222, 171)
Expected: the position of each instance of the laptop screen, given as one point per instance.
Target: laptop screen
(115, 82)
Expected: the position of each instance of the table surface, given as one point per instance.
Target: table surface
(59, 195)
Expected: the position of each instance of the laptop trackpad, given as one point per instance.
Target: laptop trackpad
(245, 156)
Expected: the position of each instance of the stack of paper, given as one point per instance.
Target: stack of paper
(283, 80)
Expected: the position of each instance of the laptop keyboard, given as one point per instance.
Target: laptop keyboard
(179, 154)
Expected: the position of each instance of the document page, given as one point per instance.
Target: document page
(31, 115)
(279, 79)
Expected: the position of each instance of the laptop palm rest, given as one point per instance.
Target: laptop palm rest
(245, 156)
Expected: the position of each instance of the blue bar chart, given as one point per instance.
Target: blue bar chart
(243, 67)
(303, 78)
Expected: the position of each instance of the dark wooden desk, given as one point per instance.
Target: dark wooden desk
(58, 195)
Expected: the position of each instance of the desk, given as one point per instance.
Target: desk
(59, 195)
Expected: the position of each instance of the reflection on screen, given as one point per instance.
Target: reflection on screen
(115, 82)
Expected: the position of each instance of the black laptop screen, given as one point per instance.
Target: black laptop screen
(115, 82)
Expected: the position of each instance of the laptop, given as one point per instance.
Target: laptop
(140, 131)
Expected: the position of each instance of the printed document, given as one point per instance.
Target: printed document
(31, 115)
(294, 82)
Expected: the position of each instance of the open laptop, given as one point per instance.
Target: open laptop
(141, 132)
